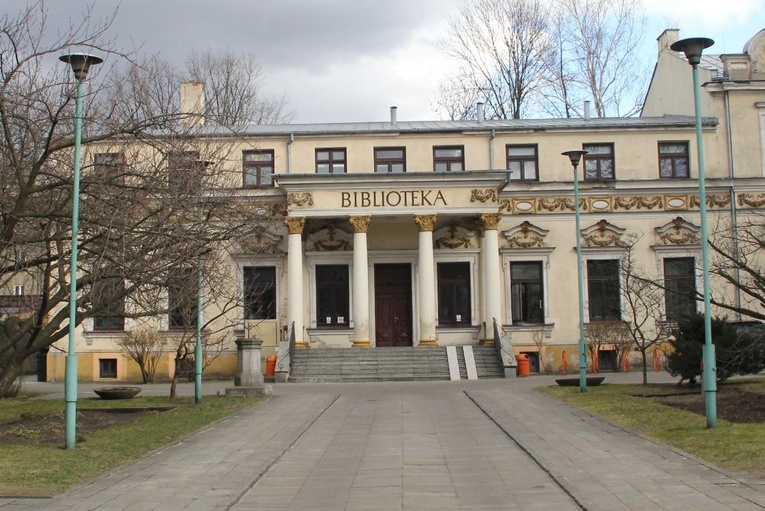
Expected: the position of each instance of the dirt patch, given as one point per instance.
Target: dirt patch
(735, 403)
(48, 429)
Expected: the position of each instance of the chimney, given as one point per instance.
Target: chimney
(479, 113)
(192, 104)
(393, 114)
(587, 110)
(669, 36)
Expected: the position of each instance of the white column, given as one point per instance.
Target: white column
(427, 281)
(360, 281)
(295, 308)
(491, 283)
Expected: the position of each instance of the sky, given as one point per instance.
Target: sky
(350, 60)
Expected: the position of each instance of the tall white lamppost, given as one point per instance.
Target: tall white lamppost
(693, 47)
(575, 155)
(80, 63)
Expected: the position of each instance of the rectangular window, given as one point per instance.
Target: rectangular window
(109, 168)
(679, 287)
(527, 292)
(599, 162)
(330, 161)
(454, 294)
(107, 295)
(522, 162)
(603, 289)
(182, 299)
(260, 292)
(107, 368)
(18, 290)
(257, 168)
(390, 159)
(673, 160)
(184, 171)
(449, 159)
(332, 295)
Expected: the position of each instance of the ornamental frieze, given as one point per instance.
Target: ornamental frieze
(644, 202)
(562, 204)
(754, 200)
(713, 201)
(526, 235)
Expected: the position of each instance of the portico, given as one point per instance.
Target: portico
(401, 231)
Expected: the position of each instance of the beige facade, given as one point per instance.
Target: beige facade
(419, 256)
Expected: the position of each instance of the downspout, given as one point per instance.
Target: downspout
(491, 149)
(289, 153)
(733, 210)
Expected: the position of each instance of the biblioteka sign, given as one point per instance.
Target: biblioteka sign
(392, 199)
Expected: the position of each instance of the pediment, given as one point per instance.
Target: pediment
(602, 234)
(678, 232)
(452, 236)
(330, 239)
(260, 242)
(526, 235)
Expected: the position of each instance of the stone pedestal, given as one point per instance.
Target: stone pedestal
(248, 368)
(248, 380)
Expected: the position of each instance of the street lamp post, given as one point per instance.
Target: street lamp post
(80, 63)
(693, 48)
(575, 155)
(198, 353)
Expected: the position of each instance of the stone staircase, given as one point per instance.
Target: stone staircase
(387, 364)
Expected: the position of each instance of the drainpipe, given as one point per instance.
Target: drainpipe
(733, 210)
(491, 150)
(289, 153)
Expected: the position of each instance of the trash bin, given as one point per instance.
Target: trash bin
(271, 365)
(524, 367)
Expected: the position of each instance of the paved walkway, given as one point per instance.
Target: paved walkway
(485, 445)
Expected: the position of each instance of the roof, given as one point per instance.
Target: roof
(347, 128)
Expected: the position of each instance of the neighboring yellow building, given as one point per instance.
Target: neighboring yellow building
(407, 233)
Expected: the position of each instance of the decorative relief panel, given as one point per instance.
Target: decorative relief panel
(329, 239)
(526, 235)
(602, 234)
(644, 202)
(452, 236)
(754, 200)
(713, 201)
(299, 199)
(599, 204)
(488, 194)
(678, 232)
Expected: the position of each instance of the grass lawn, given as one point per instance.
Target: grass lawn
(43, 470)
(739, 447)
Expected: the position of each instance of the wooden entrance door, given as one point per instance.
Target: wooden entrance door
(393, 305)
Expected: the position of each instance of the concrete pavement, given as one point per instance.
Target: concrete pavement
(485, 445)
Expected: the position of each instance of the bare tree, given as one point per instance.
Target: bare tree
(596, 57)
(145, 346)
(642, 297)
(738, 260)
(500, 47)
(146, 206)
(522, 57)
(611, 335)
(235, 85)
